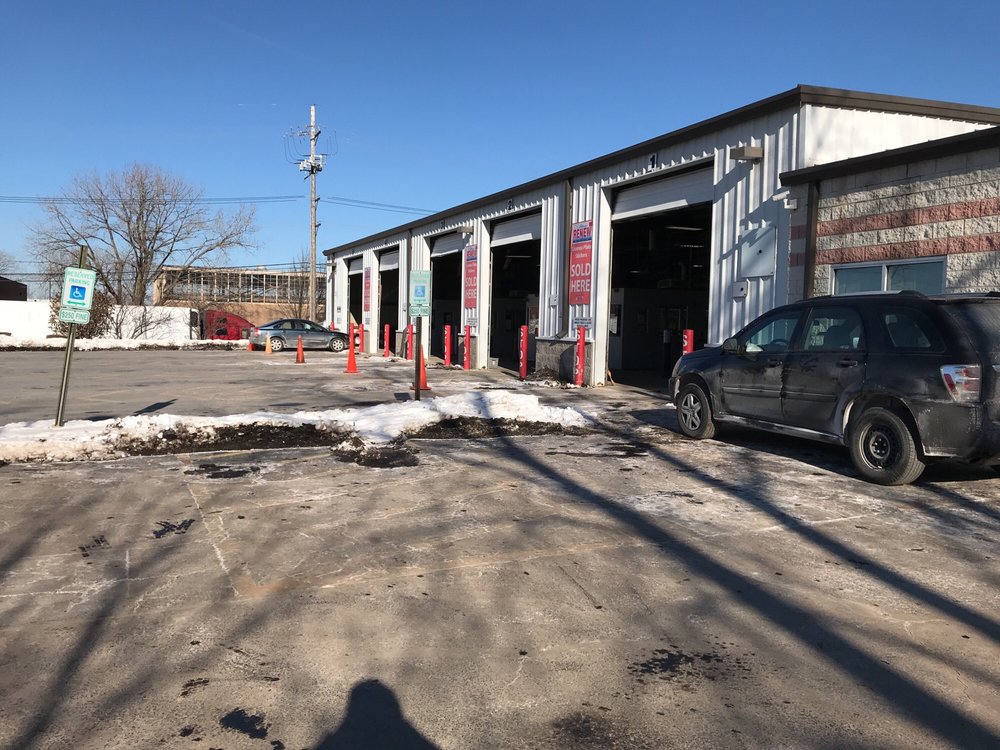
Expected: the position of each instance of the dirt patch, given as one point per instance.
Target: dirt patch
(252, 725)
(688, 669)
(472, 427)
(593, 730)
(243, 437)
(383, 456)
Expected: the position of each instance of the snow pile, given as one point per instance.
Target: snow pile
(83, 345)
(79, 439)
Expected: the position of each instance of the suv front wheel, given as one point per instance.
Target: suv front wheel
(694, 412)
(883, 449)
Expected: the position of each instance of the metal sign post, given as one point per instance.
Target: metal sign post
(420, 305)
(77, 297)
(418, 360)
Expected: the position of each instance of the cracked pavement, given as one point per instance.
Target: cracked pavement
(622, 589)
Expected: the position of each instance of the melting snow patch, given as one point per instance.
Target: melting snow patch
(384, 423)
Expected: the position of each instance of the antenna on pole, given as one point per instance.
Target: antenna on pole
(312, 164)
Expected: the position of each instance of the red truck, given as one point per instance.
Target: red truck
(219, 324)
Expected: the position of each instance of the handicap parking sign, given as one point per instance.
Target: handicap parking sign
(78, 288)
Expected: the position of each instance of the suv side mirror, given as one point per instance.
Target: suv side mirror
(731, 346)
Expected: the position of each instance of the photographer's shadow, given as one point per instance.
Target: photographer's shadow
(374, 721)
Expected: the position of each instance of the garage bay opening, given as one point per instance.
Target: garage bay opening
(388, 314)
(516, 248)
(660, 275)
(355, 290)
(446, 290)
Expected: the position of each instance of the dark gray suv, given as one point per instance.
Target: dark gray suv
(900, 379)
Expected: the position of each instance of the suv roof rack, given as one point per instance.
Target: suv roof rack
(905, 292)
(956, 296)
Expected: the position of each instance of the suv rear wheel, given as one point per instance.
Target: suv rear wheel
(277, 344)
(694, 412)
(882, 448)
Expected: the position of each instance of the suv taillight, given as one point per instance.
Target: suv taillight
(962, 381)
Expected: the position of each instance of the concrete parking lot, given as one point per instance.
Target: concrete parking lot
(625, 588)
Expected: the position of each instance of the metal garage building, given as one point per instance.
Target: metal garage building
(688, 230)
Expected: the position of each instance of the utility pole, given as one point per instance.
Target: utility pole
(313, 165)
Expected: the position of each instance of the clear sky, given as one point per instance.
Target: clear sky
(425, 104)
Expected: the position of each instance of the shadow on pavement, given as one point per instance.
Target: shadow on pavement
(374, 720)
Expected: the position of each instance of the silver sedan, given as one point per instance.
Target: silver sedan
(285, 333)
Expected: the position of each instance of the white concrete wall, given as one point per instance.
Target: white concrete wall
(30, 320)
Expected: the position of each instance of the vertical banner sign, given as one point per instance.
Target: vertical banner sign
(368, 290)
(471, 275)
(581, 256)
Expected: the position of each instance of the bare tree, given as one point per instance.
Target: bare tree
(6, 262)
(135, 223)
(297, 301)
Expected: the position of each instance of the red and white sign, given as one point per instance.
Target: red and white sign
(368, 290)
(581, 262)
(471, 275)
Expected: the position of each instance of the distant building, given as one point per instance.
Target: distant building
(259, 295)
(13, 290)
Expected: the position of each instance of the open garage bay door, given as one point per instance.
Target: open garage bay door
(663, 195)
(521, 229)
(355, 265)
(389, 261)
(447, 244)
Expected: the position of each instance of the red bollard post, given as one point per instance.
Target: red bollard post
(409, 341)
(361, 338)
(467, 354)
(447, 346)
(522, 353)
(687, 341)
(581, 354)
(385, 352)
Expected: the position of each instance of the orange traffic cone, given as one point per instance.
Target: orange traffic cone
(300, 356)
(352, 363)
(249, 346)
(267, 346)
(423, 371)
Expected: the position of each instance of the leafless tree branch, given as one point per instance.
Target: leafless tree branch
(136, 222)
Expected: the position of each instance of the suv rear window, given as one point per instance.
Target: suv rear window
(980, 318)
(909, 328)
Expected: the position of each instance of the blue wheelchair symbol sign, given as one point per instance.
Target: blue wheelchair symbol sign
(77, 292)
(419, 292)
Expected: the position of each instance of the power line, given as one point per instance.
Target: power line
(379, 206)
(63, 200)
(263, 199)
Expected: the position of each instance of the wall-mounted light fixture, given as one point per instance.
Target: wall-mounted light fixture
(746, 153)
(465, 229)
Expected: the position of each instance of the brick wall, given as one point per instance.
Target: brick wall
(940, 208)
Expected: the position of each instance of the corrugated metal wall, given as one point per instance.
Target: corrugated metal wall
(835, 134)
(746, 196)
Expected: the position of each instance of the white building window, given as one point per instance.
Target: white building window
(927, 276)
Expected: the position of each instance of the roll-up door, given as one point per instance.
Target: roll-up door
(517, 230)
(663, 195)
(355, 265)
(447, 244)
(388, 261)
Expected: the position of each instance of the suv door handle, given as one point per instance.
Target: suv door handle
(773, 362)
(847, 362)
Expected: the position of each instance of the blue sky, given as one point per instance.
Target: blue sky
(425, 104)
